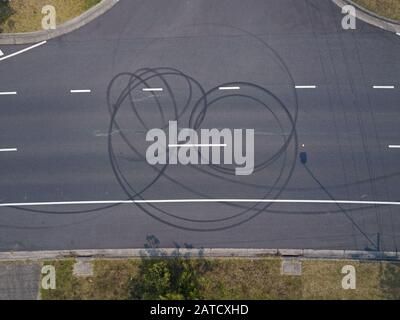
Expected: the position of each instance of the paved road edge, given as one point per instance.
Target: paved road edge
(207, 252)
(371, 17)
(69, 26)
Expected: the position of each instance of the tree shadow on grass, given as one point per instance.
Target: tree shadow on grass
(5, 13)
(172, 276)
(390, 281)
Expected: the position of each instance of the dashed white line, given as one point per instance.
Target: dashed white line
(393, 146)
(229, 88)
(383, 87)
(152, 89)
(81, 91)
(23, 50)
(7, 93)
(294, 201)
(9, 150)
(1, 53)
(306, 87)
(188, 145)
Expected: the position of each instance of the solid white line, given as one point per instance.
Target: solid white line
(9, 150)
(23, 50)
(187, 145)
(229, 88)
(8, 93)
(306, 87)
(106, 202)
(394, 146)
(81, 91)
(383, 87)
(398, 33)
(152, 89)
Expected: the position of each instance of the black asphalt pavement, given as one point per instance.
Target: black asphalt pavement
(89, 146)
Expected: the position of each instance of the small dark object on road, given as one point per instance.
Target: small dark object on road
(303, 157)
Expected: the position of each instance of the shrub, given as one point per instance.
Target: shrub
(5, 11)
(174, 277)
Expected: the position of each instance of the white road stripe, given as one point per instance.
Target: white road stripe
(9, 150)
(383, 87)
(306, 87)
(152, 89)
(8, 93)
(107, 202)
(229, 88)
(1, 53)
(81, 91)
(394, 146)
(23, 50)
(187, 145)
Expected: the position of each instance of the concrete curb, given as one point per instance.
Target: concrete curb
(69, 26)
(371, 17)
(195, 253)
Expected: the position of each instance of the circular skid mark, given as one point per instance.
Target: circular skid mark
(194, 111)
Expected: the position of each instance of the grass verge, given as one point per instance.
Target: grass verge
(237, 279)
(385, 8)
(26, 16)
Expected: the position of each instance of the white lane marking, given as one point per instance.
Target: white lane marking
(8, 93)
(383, 87)
(9, 150)
(1, 53)
(229, 88)
(35, 204)
(393, 146)
(398, 33)
(23, 50)
(152, 89)
(81, 91)
(188, 145)
(306, 87)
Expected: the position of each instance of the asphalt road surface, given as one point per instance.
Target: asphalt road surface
(324, 103)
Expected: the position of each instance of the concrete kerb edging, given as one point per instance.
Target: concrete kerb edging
(69, 26)
(371, 17)
(197, 253)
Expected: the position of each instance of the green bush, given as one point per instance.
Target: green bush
(174, 277)
(5, 11)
